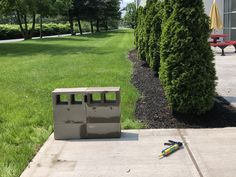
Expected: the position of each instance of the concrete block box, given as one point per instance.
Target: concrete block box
(66, 131)
(92, 112)
(103, 130)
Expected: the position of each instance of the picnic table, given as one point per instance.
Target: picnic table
(221, 45)
(216, 37)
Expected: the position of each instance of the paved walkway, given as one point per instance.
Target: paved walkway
(206, 153)
(226, 72)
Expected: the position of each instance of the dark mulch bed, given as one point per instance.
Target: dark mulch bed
(153, 110)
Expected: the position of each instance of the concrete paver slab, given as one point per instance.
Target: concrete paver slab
(214, 150)
(135, 154)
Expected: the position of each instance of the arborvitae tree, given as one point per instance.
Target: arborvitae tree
(153, 52)
(141, 34)
(151, 11)
(148, 31)
(138, 21)
(187, 69)
(168, 7)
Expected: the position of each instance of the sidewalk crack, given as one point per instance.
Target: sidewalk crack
(190, 153)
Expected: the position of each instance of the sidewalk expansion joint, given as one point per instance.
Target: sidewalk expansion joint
(190, 153)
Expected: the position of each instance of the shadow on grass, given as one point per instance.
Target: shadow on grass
(29, 49)
(66, 39)
(84, 37)
(98, 35)
(106, 34)
(44, 46)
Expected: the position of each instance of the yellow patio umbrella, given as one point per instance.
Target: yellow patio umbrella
(215, 20)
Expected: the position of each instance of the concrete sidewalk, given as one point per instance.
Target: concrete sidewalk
(226, 73)
(207, 152)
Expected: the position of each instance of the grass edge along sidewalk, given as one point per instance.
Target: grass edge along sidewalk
(30, 70)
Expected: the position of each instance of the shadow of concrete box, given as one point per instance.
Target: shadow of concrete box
(92, 112)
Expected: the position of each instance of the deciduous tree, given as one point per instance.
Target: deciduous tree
(129, 18)
(25, 12)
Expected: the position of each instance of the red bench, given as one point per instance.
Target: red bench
(223, 45)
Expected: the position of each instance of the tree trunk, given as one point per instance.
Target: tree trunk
(79, 25)
(98, 26)
(25, 21)
(91, 24)
(71, 24)
(106, 26)
(33, 26)
(26, 33)
(41, 26)
(20, 23)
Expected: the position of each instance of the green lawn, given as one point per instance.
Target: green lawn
(31, 70)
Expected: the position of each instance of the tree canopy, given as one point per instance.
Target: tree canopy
(102, 12)
(129, 18)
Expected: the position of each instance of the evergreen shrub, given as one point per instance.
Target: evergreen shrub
(153, 50)
(187, 70)
(137, 25)
(168, 7)
(141, 34)
(148, 32)
(9, 31)
(150, 13)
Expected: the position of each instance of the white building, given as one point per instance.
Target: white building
(227, 10)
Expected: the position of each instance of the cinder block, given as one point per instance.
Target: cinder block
(103, 130)
(108, 111)
(70, 113)
(66, 131)
(89, 117)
